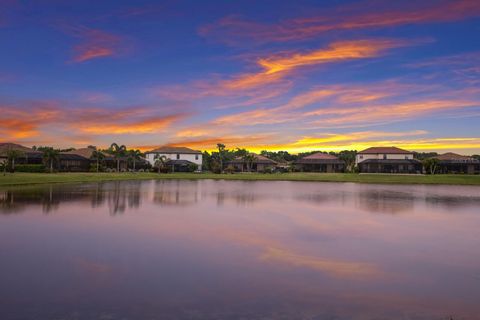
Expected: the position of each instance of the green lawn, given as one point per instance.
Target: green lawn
(37, 178)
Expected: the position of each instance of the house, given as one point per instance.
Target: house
(259, 164)
(179, 158)
(70, 162)
(454, 163)
(108, 160)
(320, 162)
(387, 160)
(26, 155)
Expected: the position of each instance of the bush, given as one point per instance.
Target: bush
(268, 170)
(30, 168)
(215, 167)
(192, 167)
(230, 169)
(93, 168)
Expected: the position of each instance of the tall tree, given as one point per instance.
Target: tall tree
(50, 155)
(249, 159)
(12, 156)
(98, 156)
(221, 153)
(430, 165)
(160, 162)
(135, 156)
(118, 152)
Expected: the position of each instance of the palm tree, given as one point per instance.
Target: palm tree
(118, 152)
(12, 155)
(249, 158)
(221, 153)
(98, 156)
(160, 162)
(50, 155)
(134, 155)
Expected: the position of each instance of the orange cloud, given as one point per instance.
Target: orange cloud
(18, 123)
(234, 30)
(276, 67)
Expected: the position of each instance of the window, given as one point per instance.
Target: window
(178, 156)
(384, 157)
(361, 156)
(406, 157)
(196, 157)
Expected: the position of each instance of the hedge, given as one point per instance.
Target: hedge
(30, 168)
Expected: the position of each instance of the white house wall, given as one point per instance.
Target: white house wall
(390, 156)
(195, 158)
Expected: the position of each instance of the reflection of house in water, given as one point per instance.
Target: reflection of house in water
(384, 201)
(176, 192)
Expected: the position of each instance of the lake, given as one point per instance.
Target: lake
(205, 249)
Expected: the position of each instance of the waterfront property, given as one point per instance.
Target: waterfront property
(320, 162)
(387, 160)
(179, 158)
(257, 163)
(454, 163)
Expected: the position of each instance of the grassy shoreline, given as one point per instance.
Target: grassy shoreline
(41, 178)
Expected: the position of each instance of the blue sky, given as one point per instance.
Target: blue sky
(296, 76)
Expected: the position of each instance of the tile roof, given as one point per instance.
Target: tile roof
(169, 149)
(258, 159)
(6, 146)
(450, 156)
(319, 158)
(388, 150)
(86, 153)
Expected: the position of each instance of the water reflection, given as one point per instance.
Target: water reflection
(120, 195)
(230, 250)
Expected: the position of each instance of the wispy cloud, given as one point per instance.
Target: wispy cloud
(235, 30)
(33, 119)
(145, 126)
(276, 67)
(94, 43)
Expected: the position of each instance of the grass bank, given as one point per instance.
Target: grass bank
(39, 178)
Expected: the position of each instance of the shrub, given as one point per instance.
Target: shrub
(192, 167)
(230, 169)
(93, 168)
(268, 170)
(215, 167)
(30, 168)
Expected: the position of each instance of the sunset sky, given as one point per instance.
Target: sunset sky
(292, 75)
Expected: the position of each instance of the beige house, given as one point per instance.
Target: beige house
(387, 160)
(320, 162)
(259, 164)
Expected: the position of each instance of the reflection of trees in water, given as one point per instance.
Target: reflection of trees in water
(16, 200)
(121, 195)
(118, 195)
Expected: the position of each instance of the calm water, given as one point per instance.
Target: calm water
(239, 250)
